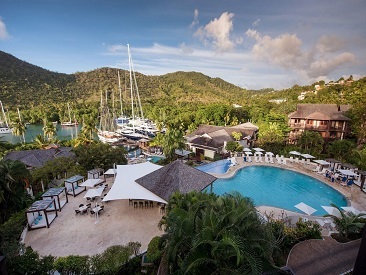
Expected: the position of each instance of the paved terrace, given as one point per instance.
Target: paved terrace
(78, 234)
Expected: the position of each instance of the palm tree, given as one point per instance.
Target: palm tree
(19, 128)
(216, 235)
(360, 159)
(348, 222)
(89, 127)
(40, 142)
(13, 175)
(49, 129)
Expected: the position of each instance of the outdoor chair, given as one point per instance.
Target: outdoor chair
(151, 204)
(92, 212)
(88, 205)
(135, 204)
(77, 211)
(162, 209)
(146, 204)
(80, 205)
(141, 204)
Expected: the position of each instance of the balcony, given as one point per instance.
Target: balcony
(297, 125)
(316, 128)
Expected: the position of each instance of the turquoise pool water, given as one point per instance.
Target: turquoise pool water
(281, 188)
(217, 167)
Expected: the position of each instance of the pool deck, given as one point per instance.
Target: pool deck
(353, 194)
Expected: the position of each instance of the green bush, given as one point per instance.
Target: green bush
(30, 263)
(10, 232)
(72, 265)
(154, 251)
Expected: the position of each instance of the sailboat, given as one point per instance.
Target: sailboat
(70, 122)
(137, 127)
(4, 127)
(106, 133)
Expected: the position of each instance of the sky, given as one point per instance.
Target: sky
(251, 44)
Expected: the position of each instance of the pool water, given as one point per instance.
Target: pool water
(217, 167)
(155, 159)
(281, 188)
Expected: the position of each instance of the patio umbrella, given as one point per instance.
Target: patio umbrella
(332, 211)
(307, 156)
(352, 210)
(91, 182)
(258, 149)
(295, 153)
(305, 208)
(247, 150)
(92, 193)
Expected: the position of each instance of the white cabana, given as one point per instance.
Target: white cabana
(347, 172)
(248, 153)
(258, 153)
(111, 171)
(125, 186)
(305, 208)
(269, 154)
(295, 153)
(321, 162)
(307, 156)
(247, 150)
(258, 149)
(91, 182)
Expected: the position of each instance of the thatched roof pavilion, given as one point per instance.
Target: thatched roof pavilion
(174, 177)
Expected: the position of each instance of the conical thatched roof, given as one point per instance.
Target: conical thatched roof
(173, 177)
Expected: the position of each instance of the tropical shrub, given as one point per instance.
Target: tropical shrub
(154, 250)
(209, 234)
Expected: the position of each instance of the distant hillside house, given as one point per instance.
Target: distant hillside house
(327, 119)
(209, 140)
(37, 158)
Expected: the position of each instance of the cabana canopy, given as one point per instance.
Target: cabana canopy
(321, 162)
(125, 186)
(295, 153)
(347, 172)
(307, 156)
(258, 149)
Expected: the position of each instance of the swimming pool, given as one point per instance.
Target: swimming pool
(217, 167)
(281, 188)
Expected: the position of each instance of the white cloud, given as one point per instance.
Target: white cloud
(256, 22)
(185, 49)
(217, 33)
(195, 19)
(287, 51)
(3, 32)
(328, 43)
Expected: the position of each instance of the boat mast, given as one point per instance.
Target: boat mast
(120, 93)
(131, 86)
(2, 109)
(137, 90)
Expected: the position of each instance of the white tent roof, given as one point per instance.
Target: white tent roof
(347, 172)
(307, 156)
(125, 187)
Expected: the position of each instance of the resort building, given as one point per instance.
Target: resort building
(37, 158)
(326, 119)
(209, 140)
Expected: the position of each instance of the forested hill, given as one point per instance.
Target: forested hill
(23, 85)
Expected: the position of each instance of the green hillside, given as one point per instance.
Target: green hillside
(23, 85)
